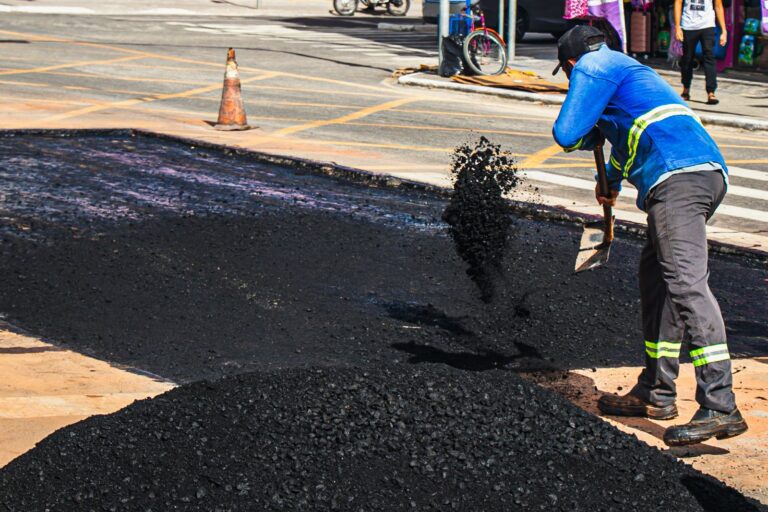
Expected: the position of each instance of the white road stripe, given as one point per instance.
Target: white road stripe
(740, 172)
(631, 192)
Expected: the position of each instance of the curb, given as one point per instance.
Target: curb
(420, 79)
(370, 179)
(415, 79)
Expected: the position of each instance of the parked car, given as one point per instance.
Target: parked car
(532, 15)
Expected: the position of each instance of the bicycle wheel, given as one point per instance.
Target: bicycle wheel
(398, 7)
(484, 53)
(345, 7)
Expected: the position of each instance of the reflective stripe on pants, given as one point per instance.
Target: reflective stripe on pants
(678, 308)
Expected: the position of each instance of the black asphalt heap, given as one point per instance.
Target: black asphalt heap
(378, 439)
(194, 263)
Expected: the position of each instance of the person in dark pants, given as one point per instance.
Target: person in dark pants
(695, 23)
(659, 145)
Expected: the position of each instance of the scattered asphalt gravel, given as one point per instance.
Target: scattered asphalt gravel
(356, 439)
(346, 353)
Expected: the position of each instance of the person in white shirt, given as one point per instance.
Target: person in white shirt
(695, 22)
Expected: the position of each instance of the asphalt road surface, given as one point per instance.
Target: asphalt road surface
(319, 87)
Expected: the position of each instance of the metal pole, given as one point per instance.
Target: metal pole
(443, 27)
(501, 17)
(512, 22)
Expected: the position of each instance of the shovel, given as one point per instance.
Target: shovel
(595, 246)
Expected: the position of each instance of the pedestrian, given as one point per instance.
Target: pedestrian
(694, 24)
(660, 147)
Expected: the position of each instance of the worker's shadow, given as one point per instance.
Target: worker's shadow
(474, 357)
(581, 391)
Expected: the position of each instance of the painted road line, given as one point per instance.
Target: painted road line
(349, 117)
(69, 65)
(740, 172)
(628, 192)
(46, 9)
(219, 65)
(333, 92)
(541, 156)
(149, 98)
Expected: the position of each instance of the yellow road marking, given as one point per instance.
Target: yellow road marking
(25, 84)
(322, 91)
(752, 161)
(460, 114)
(16, 99)
(155, 97)
(122, 78)
(344, 119)
(68, 65)
(740, 146)
(541, 156)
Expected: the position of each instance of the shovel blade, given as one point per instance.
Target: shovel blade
(594, 250)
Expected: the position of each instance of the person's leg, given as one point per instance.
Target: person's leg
(693, 198)
(690, 37)
(654, 394)
(684, 204)
(708, 52)
(662, 329)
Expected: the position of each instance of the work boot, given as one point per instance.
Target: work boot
(705, 424)
(631, 405)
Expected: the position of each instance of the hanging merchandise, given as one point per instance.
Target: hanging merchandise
(752, 26)
(640, 32)
(663, 37)
(764, 10)
(611, 11)
(643, 5)
(747, 51)
(575, 9)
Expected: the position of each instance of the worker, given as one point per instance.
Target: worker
(660, 147)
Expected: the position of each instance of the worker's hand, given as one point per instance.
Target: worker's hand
(723, 38)
(602, 200)
(679, 34)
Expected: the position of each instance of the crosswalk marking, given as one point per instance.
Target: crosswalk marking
(631, 193)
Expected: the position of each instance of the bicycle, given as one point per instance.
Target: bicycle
(349, 7)
(483, 48)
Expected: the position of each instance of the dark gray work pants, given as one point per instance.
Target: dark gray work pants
(678, 308)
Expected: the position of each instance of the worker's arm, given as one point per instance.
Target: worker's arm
(678, 18)
(613, 171)
(586, 101)
(720, 15)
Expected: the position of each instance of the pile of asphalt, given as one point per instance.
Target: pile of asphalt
(391, 438)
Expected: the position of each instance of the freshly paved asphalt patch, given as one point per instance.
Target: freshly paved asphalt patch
(196, 264)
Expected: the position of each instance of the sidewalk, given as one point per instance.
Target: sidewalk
(743, 103)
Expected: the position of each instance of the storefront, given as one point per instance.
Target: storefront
(644, 28)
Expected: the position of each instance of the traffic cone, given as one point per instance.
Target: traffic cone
(231, 111)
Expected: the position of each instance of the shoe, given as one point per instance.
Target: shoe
(711, 100)
(705, 424)
(685, 95)
(631, 405)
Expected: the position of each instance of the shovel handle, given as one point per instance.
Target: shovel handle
(605, 191)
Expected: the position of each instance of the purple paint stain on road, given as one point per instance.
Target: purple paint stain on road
(90, 181)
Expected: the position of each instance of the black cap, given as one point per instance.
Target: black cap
(576, 42)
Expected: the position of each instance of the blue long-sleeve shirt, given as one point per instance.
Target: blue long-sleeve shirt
(651, 130)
